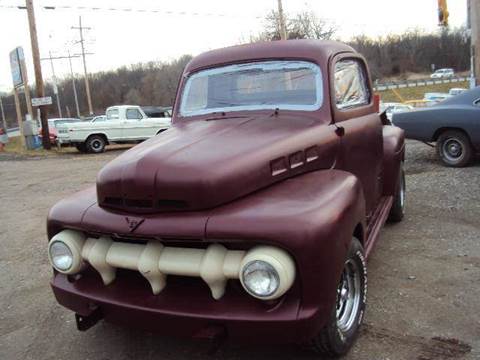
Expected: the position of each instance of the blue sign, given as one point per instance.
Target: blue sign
(16, 58)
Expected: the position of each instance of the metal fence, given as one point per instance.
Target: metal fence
(415, 83)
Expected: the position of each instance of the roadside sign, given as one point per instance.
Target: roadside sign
(47, 100)
(16, 58)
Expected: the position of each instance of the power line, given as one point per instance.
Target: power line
(137, 10)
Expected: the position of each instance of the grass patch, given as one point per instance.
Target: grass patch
(416, 93)
(14, 146)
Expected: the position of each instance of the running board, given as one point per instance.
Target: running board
(378, 219)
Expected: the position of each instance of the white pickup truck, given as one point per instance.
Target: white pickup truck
(122, 124)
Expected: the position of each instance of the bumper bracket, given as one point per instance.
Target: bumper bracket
(86, 322)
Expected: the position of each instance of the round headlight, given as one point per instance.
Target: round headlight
(260, 278)
(61, 256)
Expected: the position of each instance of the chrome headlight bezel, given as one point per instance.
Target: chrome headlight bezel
(260, 265)
(67, 252)
(279, 260)
(73, 241)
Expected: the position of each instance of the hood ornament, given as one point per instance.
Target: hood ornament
(133, 224)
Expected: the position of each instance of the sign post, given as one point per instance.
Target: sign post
(16, 56)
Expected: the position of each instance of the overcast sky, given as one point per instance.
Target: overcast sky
(187, 27)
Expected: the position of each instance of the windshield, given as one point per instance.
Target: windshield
(294, 85)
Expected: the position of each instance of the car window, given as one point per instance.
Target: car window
(112, 114)
(134, 114)
(351, 89)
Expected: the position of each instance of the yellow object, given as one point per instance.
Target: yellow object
(443, 13)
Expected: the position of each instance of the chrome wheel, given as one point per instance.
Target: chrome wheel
(348, 296)
(452, 149)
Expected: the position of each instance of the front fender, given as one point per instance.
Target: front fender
(313, 217)
(393, 155)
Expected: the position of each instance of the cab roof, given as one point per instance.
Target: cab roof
(317, 51)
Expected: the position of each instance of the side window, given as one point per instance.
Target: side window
(351, 87)
(134, 114)
(112, 114)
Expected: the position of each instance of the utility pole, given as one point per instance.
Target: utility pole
(73, 84)
(87, 86)
(474, 17)
(281, 19)
(69, 57)
(4, 120)
(55, 86)
(40, 89)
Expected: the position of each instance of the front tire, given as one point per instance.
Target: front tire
(96, 144)
(454, 148)
(336, 338)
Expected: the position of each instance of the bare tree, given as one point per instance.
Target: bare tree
(304, 25)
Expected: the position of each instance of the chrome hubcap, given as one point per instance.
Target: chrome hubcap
(96, 144)
(452, 149)
(348, 296)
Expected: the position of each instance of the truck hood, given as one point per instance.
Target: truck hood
(200, 164)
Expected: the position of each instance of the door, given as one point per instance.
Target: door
(362, 142)
(113, 126)
(135, 126)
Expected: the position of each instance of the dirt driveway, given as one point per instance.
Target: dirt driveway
(424, 275)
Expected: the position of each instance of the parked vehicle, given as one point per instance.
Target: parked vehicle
(392, 108)
(456, 91)
(54, 124)
(123, 124)
(443, 73)
(454, 124)
(271, 186)
(435, 97)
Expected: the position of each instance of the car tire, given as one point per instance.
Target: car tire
(397, 210)
(96, 144)
(454, 148)
(81, 147)
(339, 334)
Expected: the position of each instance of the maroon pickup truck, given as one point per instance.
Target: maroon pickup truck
(253, 216)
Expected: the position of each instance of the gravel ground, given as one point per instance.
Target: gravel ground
(424, 275)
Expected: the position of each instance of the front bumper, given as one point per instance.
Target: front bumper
(186, 308)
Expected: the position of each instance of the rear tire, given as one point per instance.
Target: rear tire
(454, 148)
(336, 338)
(398, 207)
(96, 144)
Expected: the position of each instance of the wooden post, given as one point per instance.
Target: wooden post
(40, 89)
(19, 116)
(474, 8)
(4, 120)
